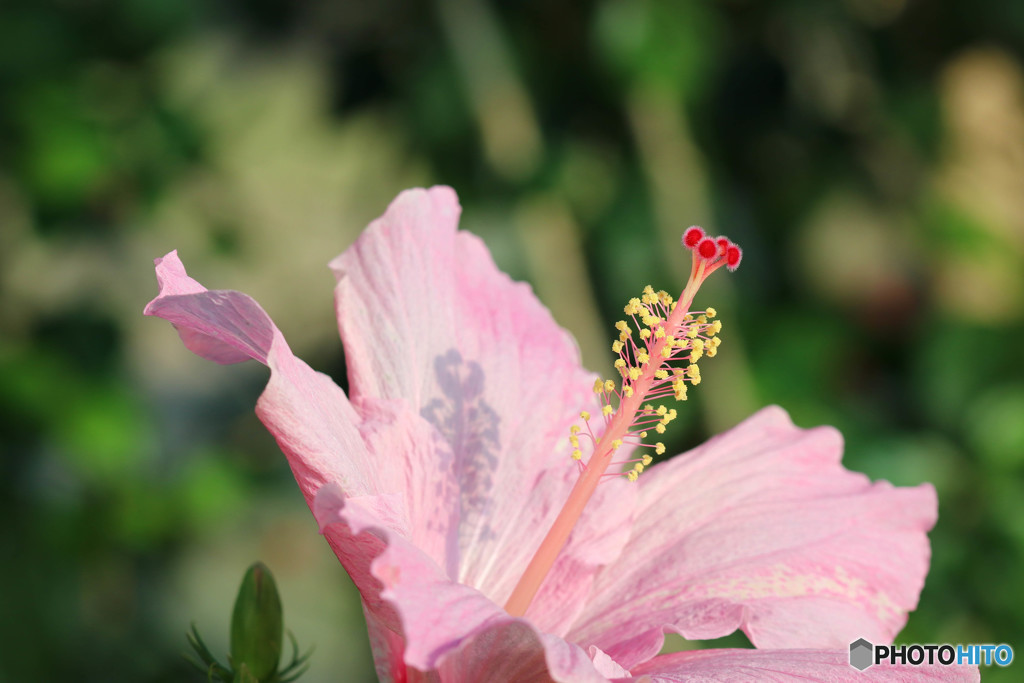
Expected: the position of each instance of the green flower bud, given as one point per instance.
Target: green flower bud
(257, 625)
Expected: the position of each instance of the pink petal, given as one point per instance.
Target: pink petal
(605, 665)
(761, 528)
(513, 651)
(428, 319)
(387, 647)
(407, 462)
(438, 624)
(312, 419)
(307, 413)
(781, 666)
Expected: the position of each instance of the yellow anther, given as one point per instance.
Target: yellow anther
(672, 413)
(575, 441)
(643, 435)
(660, 428)
(649, 291)
(627, 391)
(598, 385)
(609, 386)
(666, 351)
(659, 333)
(711, 313)
(646, 460)
(576, 454)
(645, 334)
(638, 468)
(666, 298)
(617, 346)
(621, 326)
(585, 415)
(575, 429)
(702, 319)
(631, 475)
(691, 332)
(616, 444)
(607, 410)
(643, 358)
(661, 374)
(634, 374)
(679, 387)
(693, 371)
(659, 448)
(716, 327)
(619, 364)
(697, 350)
(651, 320)
(712, 352)
(648, 408)
(624, 335)
(715, 341)
(662, 410)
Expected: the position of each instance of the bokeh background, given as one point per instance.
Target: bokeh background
(868, 154)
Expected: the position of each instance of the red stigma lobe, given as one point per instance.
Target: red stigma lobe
(707, 248)
(733, 255)
(693, 235)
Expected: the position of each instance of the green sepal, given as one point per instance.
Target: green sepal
(298, 665)
(214, 670)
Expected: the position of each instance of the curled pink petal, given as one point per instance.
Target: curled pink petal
(222, 326)
(306, 412)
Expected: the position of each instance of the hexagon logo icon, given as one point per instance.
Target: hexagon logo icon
(861, 654)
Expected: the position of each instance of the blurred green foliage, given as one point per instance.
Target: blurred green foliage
(868, 154)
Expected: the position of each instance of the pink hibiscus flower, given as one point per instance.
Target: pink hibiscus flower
(436, 479)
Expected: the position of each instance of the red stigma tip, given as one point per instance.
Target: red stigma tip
(723, 244)
(693, 235)
(733, 255)
(707, 248)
